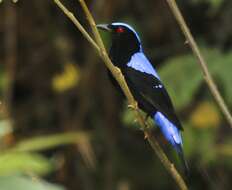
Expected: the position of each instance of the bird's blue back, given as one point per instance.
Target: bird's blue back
(140, 63)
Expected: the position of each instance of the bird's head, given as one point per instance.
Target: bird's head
(125, 40)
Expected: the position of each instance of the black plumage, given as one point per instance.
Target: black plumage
(144, 83)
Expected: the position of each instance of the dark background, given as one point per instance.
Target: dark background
(54, 87)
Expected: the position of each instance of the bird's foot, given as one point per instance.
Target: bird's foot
(145, 136)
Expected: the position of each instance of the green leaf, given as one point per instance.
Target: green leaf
(50, 141)
(221, 70)
(82, 139)
(20, 159)
(5, 127)
(25, 183)
(22, 162)
(200, 142)
(183, 75)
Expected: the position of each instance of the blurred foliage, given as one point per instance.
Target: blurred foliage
(3, 80)
(183, 79)
(14, 163)
(214, 3)
(22, 183)
(21, 159)
(211, 116)
(5, 128)
(46, 142)
(66, 80)
(61, 119)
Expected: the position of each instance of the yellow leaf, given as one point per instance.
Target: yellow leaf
(67, 79)
(205, 115)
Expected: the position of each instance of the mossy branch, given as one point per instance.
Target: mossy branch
(116, 72)
(196, 51)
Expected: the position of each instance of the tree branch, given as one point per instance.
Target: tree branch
(116, 72)
(207, 76)
(77, 24)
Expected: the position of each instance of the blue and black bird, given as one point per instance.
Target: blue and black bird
(126, 52)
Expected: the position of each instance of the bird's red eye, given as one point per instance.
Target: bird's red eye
(120, 30)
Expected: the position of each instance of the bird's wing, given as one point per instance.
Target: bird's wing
(149, 86)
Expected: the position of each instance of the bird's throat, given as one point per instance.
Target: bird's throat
(121, 51)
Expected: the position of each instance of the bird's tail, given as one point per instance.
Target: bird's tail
(184, 163)
(172, 135)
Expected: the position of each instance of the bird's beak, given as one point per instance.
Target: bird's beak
(104, 27)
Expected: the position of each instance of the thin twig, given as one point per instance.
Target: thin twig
(115, 71)
(77, 24)
(120, 78)
(196, 51)
(93, 25)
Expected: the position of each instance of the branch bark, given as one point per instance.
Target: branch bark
(116, 72)
(196, 51)
(77, 24)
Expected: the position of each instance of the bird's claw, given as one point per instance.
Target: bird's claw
(145, 136)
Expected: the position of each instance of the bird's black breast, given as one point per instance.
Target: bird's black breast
(146, 88)
(122, 49)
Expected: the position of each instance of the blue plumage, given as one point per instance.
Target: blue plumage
(126, 53)
(139, 62)
(169, 130)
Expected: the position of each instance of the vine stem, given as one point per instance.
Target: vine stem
(196, 51)
(116, 72)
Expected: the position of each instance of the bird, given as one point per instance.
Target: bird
(126, 52)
